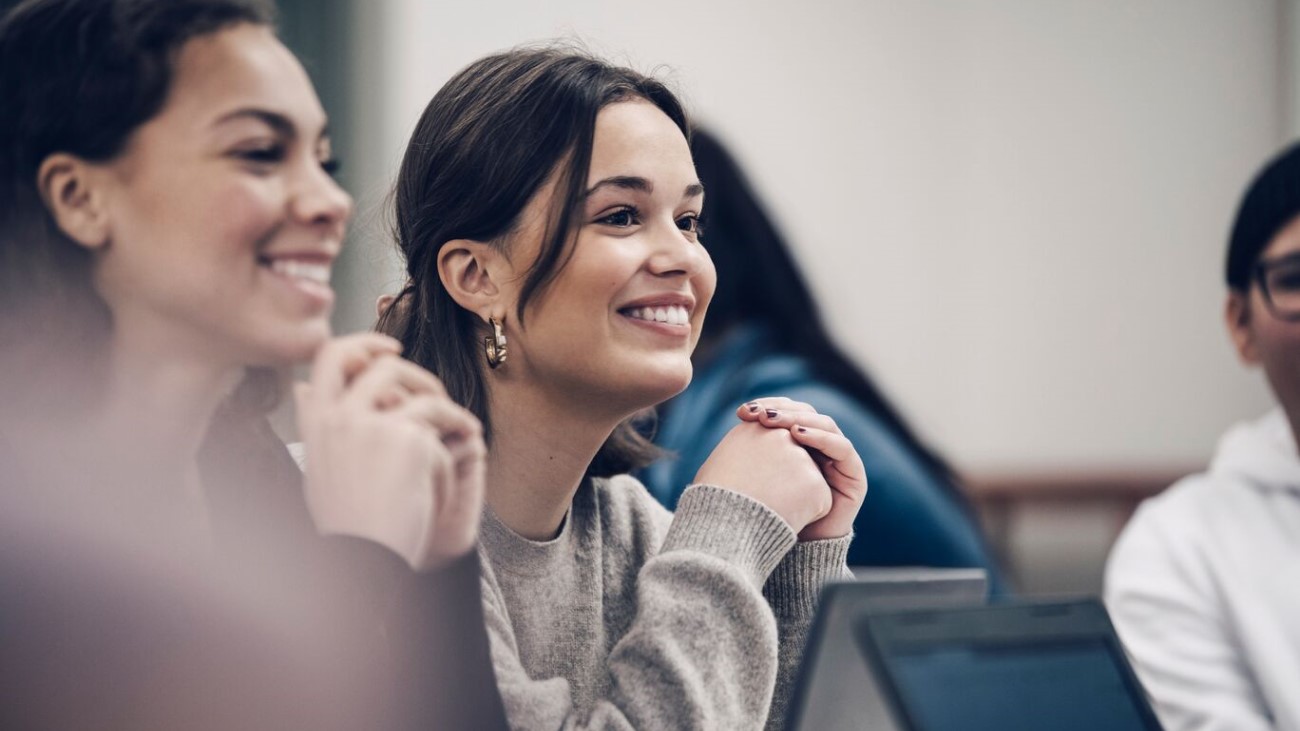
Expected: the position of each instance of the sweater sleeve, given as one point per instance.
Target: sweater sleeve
(1175, 628)
(793, 590)
(701, 652)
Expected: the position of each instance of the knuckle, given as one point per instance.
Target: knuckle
(389, 362)
(438, 448)
(435, 383)
(474, 429)
(477, 450)
(414, 371)
(472, 424)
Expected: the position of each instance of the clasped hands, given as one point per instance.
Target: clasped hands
(390, 457)
(795, 461)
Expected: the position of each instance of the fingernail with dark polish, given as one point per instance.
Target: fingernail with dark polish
(773, 413)
(753, 407)
(802, 429)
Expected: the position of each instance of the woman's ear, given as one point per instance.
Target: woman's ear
(1236, 314)
(69, 189)
(471, 272)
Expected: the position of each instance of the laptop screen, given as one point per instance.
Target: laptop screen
(1062, 686)
(1019, 665)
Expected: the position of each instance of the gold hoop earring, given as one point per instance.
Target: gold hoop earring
(494, 345)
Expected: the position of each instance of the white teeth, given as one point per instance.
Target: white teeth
(669, 314)
(311, 271)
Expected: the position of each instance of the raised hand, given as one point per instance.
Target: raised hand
(834, 454)
(390, 457)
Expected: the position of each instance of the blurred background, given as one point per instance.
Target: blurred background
(1013, 212)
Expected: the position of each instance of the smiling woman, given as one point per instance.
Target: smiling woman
(636, 254)
(548, 201)
(168, 222)
(218, 222)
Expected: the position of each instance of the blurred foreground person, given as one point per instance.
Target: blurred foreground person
(764, 336)
(1204, 583)
(547, 208)
(167, 226)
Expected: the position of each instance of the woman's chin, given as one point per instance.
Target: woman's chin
(664, 385)
(293, 347)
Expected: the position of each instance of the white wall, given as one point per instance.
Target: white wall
(1013, 210)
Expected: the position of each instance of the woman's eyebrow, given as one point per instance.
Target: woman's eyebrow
(626, 182)
(278, 122)
(633, 182)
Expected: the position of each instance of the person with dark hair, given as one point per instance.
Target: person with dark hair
(168, 221)
(1204, 582)
(764, 335)
(547, 210)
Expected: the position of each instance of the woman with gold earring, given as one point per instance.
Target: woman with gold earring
(549, 198)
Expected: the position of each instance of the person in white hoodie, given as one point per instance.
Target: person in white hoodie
(1204, 583)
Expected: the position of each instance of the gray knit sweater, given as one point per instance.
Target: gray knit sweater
(637, 618)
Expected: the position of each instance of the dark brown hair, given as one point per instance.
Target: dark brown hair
(487, 143)
(80, 76)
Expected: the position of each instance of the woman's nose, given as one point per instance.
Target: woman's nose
(319, 199)
(677, 252)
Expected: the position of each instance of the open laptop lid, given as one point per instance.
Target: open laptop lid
(834, 690)
(1008, 667)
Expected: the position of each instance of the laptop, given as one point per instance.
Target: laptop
(1010, 667)
(834, 690)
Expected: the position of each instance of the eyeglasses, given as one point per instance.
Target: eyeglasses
(1279, 280)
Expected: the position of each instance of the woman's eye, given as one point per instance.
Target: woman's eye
(689, 224)
(331, 166)
(262, 155)
(621, 218)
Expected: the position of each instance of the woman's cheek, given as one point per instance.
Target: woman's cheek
(247, 212)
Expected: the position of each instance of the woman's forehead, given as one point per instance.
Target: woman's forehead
(243, 67)
(635, 139)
